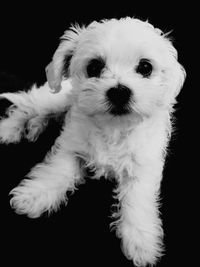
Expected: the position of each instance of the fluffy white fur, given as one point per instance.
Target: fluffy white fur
(131, 146)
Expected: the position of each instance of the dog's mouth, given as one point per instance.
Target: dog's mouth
(120, 110)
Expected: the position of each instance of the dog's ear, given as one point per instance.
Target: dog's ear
(175, 82)
(177, 78)
(180, 78)
(58, 68)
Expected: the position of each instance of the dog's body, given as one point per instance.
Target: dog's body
(117, 81)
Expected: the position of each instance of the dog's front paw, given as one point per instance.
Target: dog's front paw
(29, 198)
(142, 246)
(141, 255)
(32, 198)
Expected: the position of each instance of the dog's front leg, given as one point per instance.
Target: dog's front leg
(45, 187)
(140, 225)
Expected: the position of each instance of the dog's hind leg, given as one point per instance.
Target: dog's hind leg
(31, 110)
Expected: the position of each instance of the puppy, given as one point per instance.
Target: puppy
(117, 82)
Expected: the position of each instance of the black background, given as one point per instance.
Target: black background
(79, 233)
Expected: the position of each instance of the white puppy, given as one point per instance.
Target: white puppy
(117, 81)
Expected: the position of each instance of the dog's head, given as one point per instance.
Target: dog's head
(118, 68)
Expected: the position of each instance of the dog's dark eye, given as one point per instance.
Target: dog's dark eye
(95, 67)
(144, 68)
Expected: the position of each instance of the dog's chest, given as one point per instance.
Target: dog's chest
(111, 150)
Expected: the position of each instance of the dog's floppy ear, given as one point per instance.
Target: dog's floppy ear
(181, 75)
(177, 78)
(58, 67)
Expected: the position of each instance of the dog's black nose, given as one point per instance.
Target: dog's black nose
(118, 99)
(119, 95)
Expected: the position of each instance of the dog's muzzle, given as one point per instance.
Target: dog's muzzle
(118, 100)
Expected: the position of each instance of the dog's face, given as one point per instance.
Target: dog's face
(118, 68)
